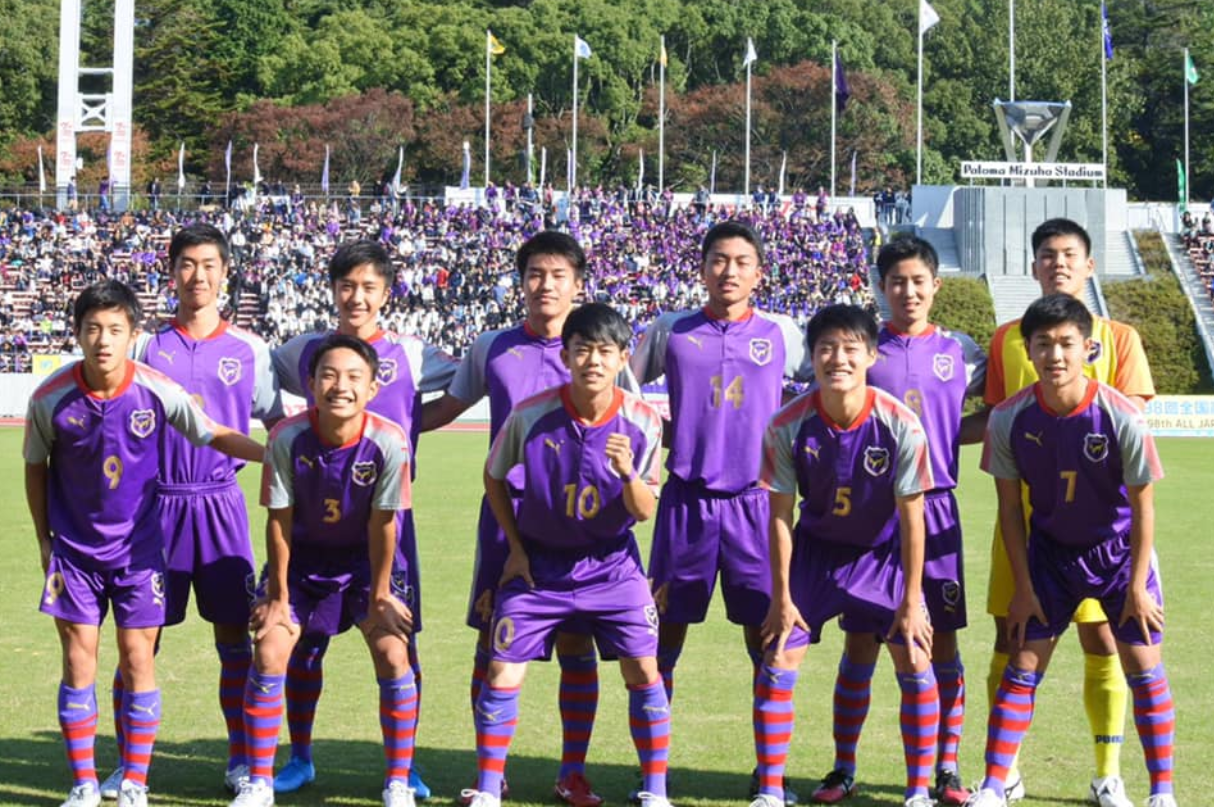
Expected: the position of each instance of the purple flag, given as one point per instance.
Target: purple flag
(842, 93)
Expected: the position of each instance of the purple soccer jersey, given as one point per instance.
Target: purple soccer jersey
(848, 479)
(105, 460)
(725, 381)
(572, 498)
(932, 374)
(1076, 464)
(333, 489)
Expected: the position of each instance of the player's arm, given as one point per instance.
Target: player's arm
(910, 620)
(1140, 606)
(436, 414)
(498, 495)
(973, 426)
(235, 444)
(36, 476)
(388, 614)
(638, 498)
(1024, 604)
(274, 610)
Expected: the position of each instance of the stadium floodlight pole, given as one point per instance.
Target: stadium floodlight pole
(488, 94)
(834, 93)
(662, 117)
(1104, 91)
(747, 62)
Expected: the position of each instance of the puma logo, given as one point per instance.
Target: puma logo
(695, 340)
(490, 717)
(515, 352)
(1036, 438)
(308, 462)
(555, 446)
(166, 356)
(813, 451)
(138, 707)
(74, 705)
(75, 421)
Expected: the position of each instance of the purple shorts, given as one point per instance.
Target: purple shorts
(943, 576)
(491, 552)
(1064, 575)
(406, 572)
(75, 593)
(863, 584)
(699, 533)
(206, 530)
(606, 593)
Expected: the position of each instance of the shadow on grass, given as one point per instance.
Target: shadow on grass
(349, 772)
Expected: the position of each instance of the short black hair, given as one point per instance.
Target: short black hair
(850, 319)
(195, 235)
(337, 341)
(598, 323)
(353, 254)
(905, 248)
(552, 242)
(731, 229)
(1053, 310)
(104, 295)
(1052, 228)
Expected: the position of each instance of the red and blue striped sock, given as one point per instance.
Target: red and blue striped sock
(480, 668)
(117, 694)
(398, 721)
(1011, 716)
(920, 720)
(853, 694)
(579, 702)
(649, 720)
(667, 659)
(262, 719)
(234, 661)
(950, 677)
(140, 721)
(496, 719)
(1155, 719)
(78, 723)
(773, 724)
(305, 681)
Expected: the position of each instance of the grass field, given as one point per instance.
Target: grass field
(712, 751)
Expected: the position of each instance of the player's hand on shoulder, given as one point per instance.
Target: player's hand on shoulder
(912, 623)
(619, 451)
(1144, 610)
(268, 614)
(517, 565)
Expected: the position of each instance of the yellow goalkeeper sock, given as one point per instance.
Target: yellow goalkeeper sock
(1104, 699)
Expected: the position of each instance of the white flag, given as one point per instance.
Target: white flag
(580, 49)
(927, 16)
(400, 163)
(41, 173)
(181, 167)
(641, 170)
(783, 166)
(256, 169)
(751, 56)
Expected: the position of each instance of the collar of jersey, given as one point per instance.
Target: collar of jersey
(750, 312)
(617, 400)
(1088, 396)
(127, 378)
(314, 421)
(219, 330)
(869, 397)
(931, 329)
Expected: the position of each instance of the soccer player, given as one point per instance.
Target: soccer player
(858, 458)
(589, 453)
(725, 366)
(1062, 263)
(202, 509)
(932, 371)
(510, 365)
(1085, 453)
(335, 478)
(93, 456)
(361, 276)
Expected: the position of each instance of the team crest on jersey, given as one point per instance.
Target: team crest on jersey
(364, 474)
(943, 367)
(876, 460)
(761, 351)
(1095, 352)
(143, 422)
(230, 371)
(1096, 447)
(387, 371)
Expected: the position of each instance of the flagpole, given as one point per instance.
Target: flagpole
(1104, 95)
(1185, 79)
(712, 175)
(919, 108)
(1011, 50)
(488, 91)
(530, 141)
(746, 184)
(662, 118)
(834, 111)
(572, 172)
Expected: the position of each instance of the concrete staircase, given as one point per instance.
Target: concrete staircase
(1195, 289)
(945, 242)
(1121, 258)
(1012, 294)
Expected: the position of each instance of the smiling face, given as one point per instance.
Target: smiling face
(1062, 265)
(593, 366)
(199, 274)
(359, 296)
(550, 285)
(343, 384)
(910, 288)
(105, 336)
(841, 361)
(1059, 354)
(730, 273)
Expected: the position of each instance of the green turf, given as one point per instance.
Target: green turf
(711, 745)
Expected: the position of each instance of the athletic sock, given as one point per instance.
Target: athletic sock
(994, 677)
(496, 719)
(579, 701)
(304, 682)
(1104, 700)
(117, 695)
(480, 668)
(234, 661)
(920, 722)
(140, 721)
(950, 678)
(262, 719)
(773, 724)
(853, 689)
(649, 719)
(667, 659)
(398, 721)
(1010, 718)
(78, 724)
(1155, 719)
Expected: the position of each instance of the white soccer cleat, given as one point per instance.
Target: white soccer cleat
(109, 788)
(767, 800)
(1014, 791)
(1162, 800)
(254, 794)
(479, 798)
(919, 801)
(85, 795)
(1109, 791)
(653, 800)
(985, 797)
(234, 778)
(398, 794)
(132, 795)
